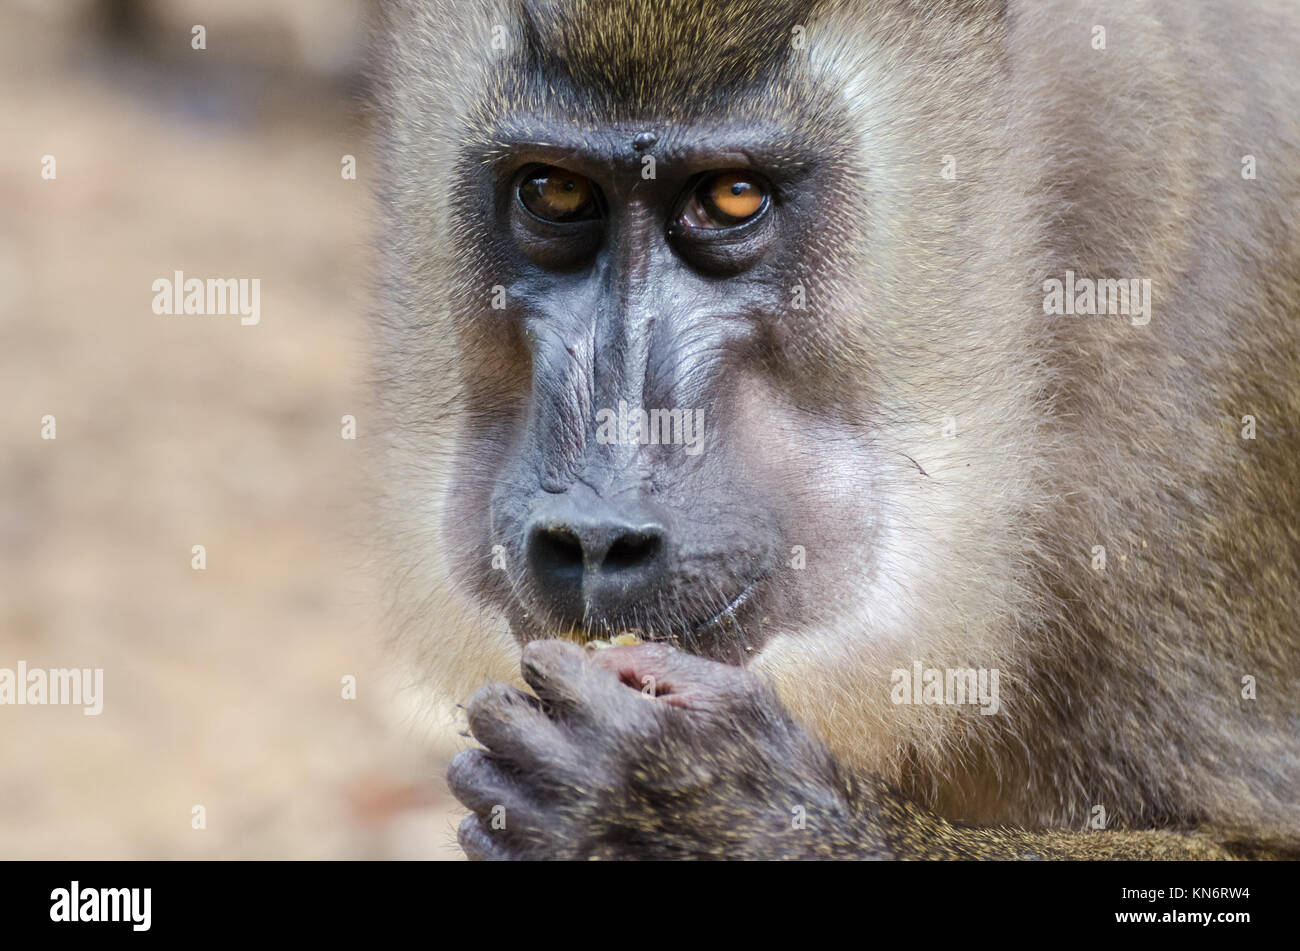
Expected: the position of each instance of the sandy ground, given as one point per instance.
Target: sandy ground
(222, 687)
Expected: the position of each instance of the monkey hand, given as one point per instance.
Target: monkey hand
(646, 752)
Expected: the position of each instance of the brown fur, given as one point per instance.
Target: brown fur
(1121, 688)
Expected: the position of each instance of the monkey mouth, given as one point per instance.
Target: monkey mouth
(728, 635)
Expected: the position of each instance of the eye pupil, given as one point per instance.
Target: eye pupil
(737, 189)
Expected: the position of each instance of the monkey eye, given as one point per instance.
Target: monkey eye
(724, 200)
(555, 195)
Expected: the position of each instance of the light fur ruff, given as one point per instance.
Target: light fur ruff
(1119, 687)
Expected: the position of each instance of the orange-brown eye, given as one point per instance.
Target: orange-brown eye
(725, 199)
(553, 194)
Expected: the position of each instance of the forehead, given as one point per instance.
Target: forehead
(639, 56)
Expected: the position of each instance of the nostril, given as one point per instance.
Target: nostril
(558, 548)
(632, 551)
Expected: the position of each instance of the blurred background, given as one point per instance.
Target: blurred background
(222, 687)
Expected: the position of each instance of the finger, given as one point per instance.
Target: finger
(481, 784)
(477, 844)
(677, 677)
(563, 676)
(512, 725)
(513, 810)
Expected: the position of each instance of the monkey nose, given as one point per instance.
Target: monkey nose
(597, 563)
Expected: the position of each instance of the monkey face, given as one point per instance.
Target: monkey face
(643, 446)
(671, 411)
(679, 346)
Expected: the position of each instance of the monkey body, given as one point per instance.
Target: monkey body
(1099, 507)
